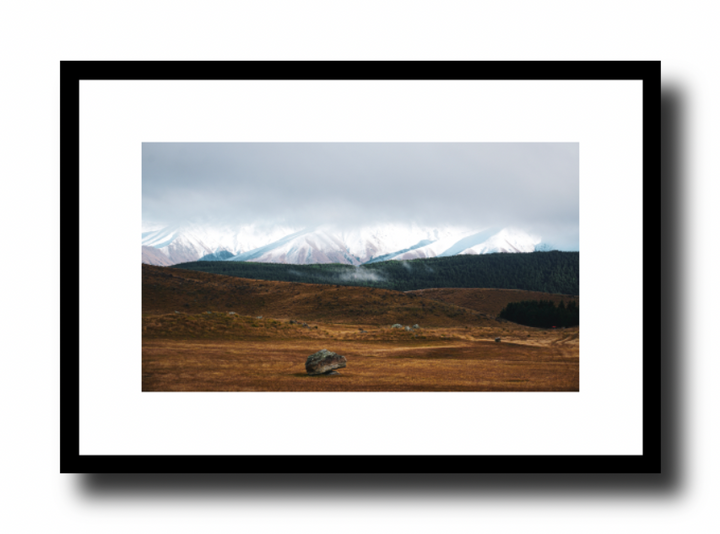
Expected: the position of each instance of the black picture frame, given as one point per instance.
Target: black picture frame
(73, 72)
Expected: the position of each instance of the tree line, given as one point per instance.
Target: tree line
(550, 272)
(543, 313)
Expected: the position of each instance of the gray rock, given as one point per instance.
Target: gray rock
(415, 326)
(397, 326)
(497, 340)
(408, 328)
(323, 362)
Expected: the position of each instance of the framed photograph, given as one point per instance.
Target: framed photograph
(348, 262)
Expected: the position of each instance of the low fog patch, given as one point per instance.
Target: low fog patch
(360, 274)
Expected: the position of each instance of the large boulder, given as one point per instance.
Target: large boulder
(323, 362)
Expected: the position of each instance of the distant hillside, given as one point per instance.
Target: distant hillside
(548, 272)
(166, 290)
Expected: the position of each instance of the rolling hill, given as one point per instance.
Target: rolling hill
(167, 290)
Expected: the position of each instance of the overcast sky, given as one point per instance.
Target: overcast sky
(533, 186)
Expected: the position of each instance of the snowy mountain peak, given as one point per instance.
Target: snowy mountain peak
(506, 240)
(325, 244)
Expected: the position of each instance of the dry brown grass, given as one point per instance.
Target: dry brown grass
(166, 289)
(268, 355)
(186, 349)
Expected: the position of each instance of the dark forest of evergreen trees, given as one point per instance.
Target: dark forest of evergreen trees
(542, 313)
(550, 272)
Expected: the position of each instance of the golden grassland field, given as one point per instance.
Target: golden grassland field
(204, 332)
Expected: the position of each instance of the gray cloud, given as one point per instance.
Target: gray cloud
(534, 186)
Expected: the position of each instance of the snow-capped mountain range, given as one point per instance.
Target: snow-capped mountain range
(169, 245)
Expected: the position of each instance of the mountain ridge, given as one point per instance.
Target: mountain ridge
(182, 243)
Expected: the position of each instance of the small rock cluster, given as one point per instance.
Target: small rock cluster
(324, 362)
(408, 328)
